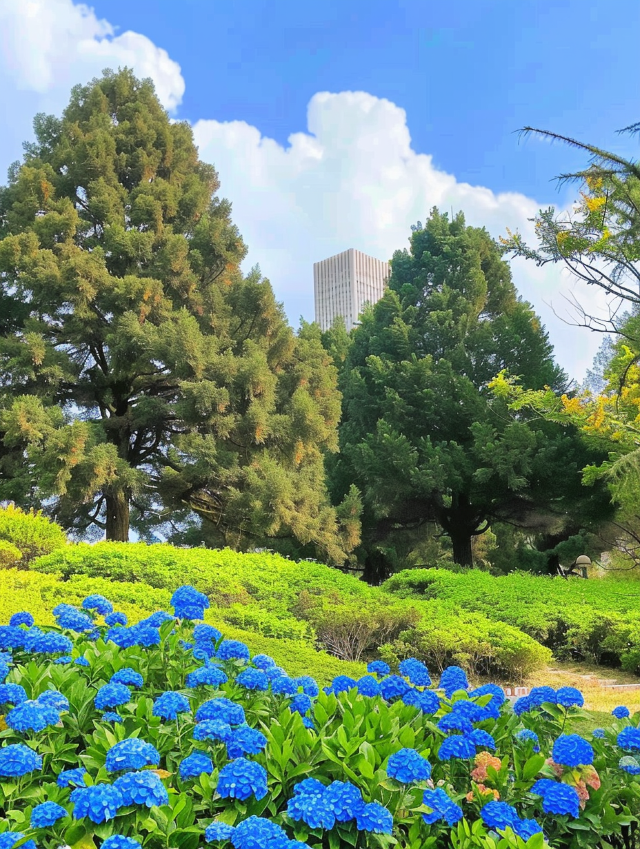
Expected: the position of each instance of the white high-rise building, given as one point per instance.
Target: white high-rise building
(344, 283)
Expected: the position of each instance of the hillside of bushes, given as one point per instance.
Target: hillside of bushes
(596, 620)
(311, 604)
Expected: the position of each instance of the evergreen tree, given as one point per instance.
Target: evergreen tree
(422, 435)
(146, 380)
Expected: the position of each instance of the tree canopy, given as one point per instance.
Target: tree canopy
(145, 380)
(422, 435)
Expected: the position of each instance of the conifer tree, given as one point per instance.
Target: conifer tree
(145, 379)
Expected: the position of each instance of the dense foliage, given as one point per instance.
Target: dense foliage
(596, 620)
(31, 533)
(422, 436)
(144, 379)
(169, 734)
(278, 597)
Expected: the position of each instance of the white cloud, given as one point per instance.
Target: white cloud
(47, 46)
(353, 180)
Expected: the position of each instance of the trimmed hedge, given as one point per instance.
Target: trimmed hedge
(31, 533)
(316, 605)
(596, 619)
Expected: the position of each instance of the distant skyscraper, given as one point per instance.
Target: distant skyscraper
(344, 283)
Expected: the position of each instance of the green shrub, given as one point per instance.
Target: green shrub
(31, 533)
(10, 554)
(309, 603)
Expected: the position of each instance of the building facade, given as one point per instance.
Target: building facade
(344, 283)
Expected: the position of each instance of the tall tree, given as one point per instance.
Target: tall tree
(149, 379)
(422, 436)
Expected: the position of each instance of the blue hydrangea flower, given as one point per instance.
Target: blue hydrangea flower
(526, 734)
(32, 716)
(47, 814)
(427, 701)
(169, 704)
(81, 661)
(454, 722)
(72, 776)
(233, 650)
(621, 712)
(11, 637)
(308, 722)
(313, 810)
(629, 739)
(630, 765)
(131, 753)
(393, 687)
(527, 828)
(98, 603)
(470, 710)
(157, 619)
(542, 695)
(274, 672)
(499, 815)
(48, 643)
(64, 660)
(224, 709)
(203, 651)
(374, 818)
(345, 800)
(453, 678)
(284, 686)
(442, 807)
(557, 798)
(8, 840)
(599, 733)
(482, 739)
(211, 675)
(301, 703)
(218, 831)
(309, 685)
(188, 603)
(416, 672)
(245, 741)
(111, 716)
(310, 787)
(263, 661)
(22, 618)
(54, 699)
(195, 764)
(144, 635)
(368, 686)
(112, 695)
(142, 788)
(118, 841)
(241, 779)
(17, 760)
(569, 697)
(127, 676)
(206, 632)
(342, 684)
(99, 803)
(498, 697)
(378, 667)
(572, 750)
(523, 705)
(117, 618)
(212, 729)
(259, 832)
(12, 694)
(408, 766)
(75, 620)
(4, 670)
(456, 746)
(253, 679)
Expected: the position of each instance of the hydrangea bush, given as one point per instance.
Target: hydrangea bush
(165, 735)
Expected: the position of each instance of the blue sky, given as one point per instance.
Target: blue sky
(339, 124)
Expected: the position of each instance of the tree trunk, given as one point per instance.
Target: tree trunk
(462, 551)
(376, 568)
(117, 524)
